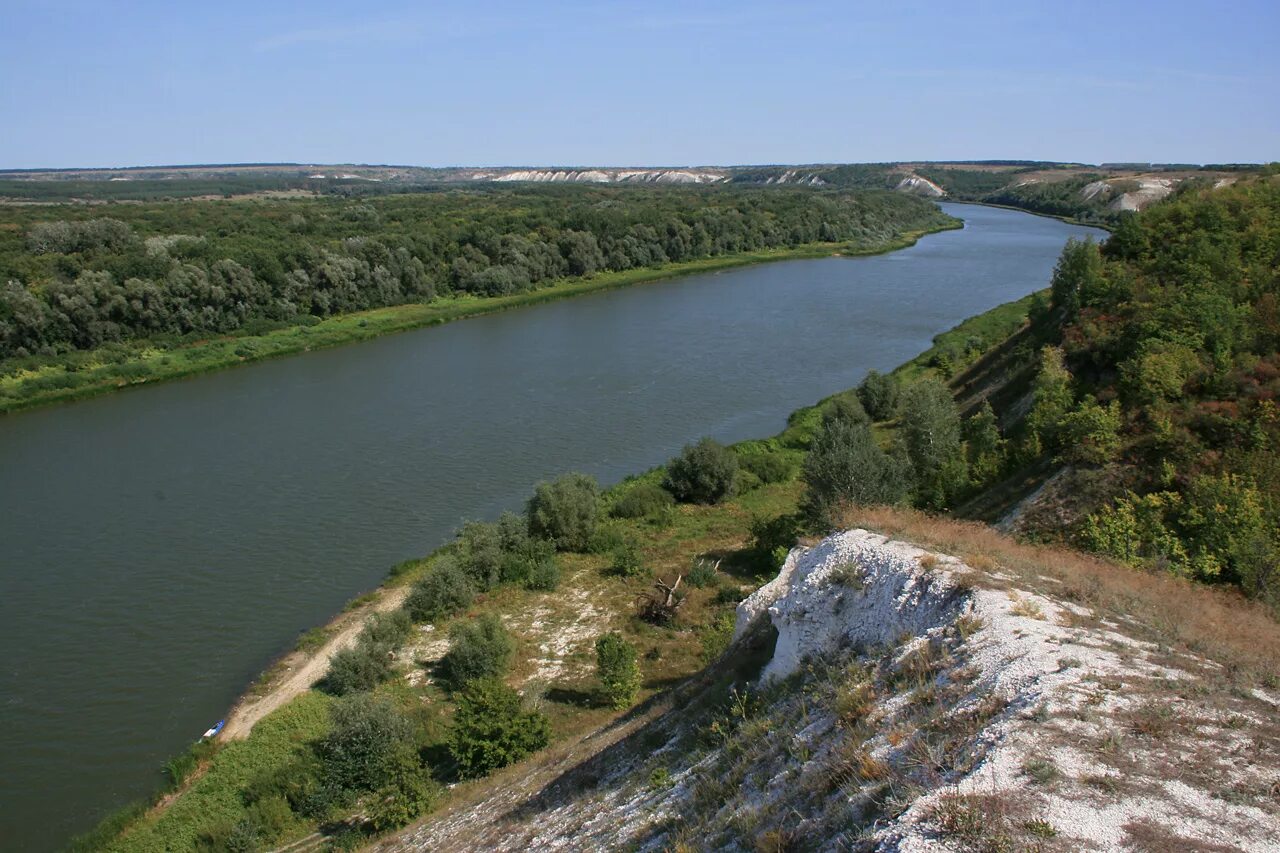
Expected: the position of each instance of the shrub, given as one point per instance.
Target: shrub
(743, 482)
(406, 794)
(701, 574)
(772, 538)
(879, 395)
(702, 473)
(769, 467)
(479, 649)
(565, 511)
(984, 446)
(388, 629)
(1090, 433)
(617, 670)
(627, 561)
(930, 429)
(442, 592)
(844, 407)
(544, 575)
(360, 751)
(359, 668)
(716, 635)
(519, 564)
(480, 553)
(606, 539)
(642, 500)
(846, 465)
(491, 729)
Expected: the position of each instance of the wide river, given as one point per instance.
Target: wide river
(159, 547)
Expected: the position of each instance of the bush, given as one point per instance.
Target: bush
(406, 794)
(544, 575)
(360, 752)
(845, 407)
(846, 465)
(701, 574)
(642, 500)
(772, 538)
(606, 539)
(769, 467)
(359, 668)
(617, 670)
(702, 473)
(519, 564)
(442, 592)
(627, 562)
(930, 429)
(565, 511)
(479, 649)
(879, 395)
(491, 729)
(743, 482)
(480, 553)
(387, 629)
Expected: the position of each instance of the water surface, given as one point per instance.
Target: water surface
(158, 547)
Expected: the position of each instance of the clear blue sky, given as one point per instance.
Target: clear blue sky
(92, 83)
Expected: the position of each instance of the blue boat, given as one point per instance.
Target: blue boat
(213, 731)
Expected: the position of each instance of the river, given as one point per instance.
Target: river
(158, 547)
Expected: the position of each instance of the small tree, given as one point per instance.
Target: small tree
(984, 445)
(845, 407)
(491, 729)
(1090, 434)
(617, 670)
(359, 668)
(442, 592)
(846, 465)
(360, 751)
(479, 649)
(1051, 400)
(879, 395)
(702, 473)
(931, 434)
(565, 511)
(480, 553)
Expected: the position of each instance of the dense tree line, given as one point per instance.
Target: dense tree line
(81, 278)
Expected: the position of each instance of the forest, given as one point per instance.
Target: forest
(78, 278)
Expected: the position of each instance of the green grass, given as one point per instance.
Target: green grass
(214, 799)
(80, 375)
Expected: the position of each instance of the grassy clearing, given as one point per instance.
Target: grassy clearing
(146, 362)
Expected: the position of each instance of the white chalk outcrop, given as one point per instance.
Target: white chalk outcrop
(608, 176)
(988, 717)
(917, 185)
(853, 590)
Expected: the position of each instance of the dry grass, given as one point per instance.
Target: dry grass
(1217, 623)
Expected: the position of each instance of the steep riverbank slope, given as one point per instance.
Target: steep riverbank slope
(912, 701)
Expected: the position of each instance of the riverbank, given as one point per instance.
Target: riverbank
(292, 711)
(151, 364)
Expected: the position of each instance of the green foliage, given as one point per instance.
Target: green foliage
(1090, 433)
(769, 467)
(369, 662)
(1052, 399)
(359, 668)
(628, 562)
(478, 649)
(406, 793)
(879, 393)
(480, 553)
(716, 636)
(984, 445)
(702, 473)
(543, 575)
(845, 407)
(565, 511)
(846, 465)
(930, 432)
(491, 729)
(1077, 278)
(772, 538)
(701, 574)
(388, 629)
(642, 500)
(364, 746)
(443, 591)
(617, 670)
